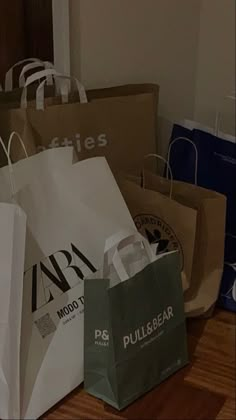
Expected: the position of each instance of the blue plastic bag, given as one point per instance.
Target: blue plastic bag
(216, 170)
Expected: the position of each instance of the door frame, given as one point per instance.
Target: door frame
(61, 35)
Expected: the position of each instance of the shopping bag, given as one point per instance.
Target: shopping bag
(38, 166)
(111, 122)
(167, 224)
(12, 253)
(70, 215)
(216, 171)
(136, 338)
(208, 258)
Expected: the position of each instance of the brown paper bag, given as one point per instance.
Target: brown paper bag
(167, 224)
(208, 259)
(118, 123)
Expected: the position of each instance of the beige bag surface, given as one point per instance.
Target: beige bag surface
(208, 257)
(118, 123)
(167, 224)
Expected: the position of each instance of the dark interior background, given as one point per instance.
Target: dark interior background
(26, 30)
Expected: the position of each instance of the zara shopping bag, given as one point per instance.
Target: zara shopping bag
(70, 215)
(136, 337)
(216, 171)
(104, 122)
(37, 166)
(12, 254)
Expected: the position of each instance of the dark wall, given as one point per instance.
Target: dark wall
(25, 31)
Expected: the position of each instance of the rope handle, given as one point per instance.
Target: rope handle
(218, 119)
(7, 152)
(196, 155)
(169, 171)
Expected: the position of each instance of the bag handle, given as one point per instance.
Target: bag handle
(34, 65)
(9, 74)
(64, 88)
(115, 244)
(169, 171)
(47, 73)
(219, 115)
(11, 175)
(17, 135)
(7, 152)
(196, 155)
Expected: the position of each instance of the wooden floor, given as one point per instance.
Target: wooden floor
(205, 390)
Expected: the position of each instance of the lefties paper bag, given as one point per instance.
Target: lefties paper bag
(118, 123)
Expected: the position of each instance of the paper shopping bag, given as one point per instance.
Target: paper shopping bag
(167, 224)
(216, 171)
(136, 338)
(208, 258)
(37, 166)
(113, 121)
(12, 252)
(70, 215)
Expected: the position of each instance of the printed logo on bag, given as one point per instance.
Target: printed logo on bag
(144, 333)
(87, 144)
(101, 338)
(51, 278)
(159, 234)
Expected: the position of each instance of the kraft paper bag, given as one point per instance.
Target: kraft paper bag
(136, 337)
(70, 214)
(208, 259)
(12, 255)
(167, 224)
(112, 122)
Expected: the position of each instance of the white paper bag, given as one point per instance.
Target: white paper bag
(37, 166)
(12, 250)
(70, 215)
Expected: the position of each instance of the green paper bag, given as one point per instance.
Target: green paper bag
(135, 335)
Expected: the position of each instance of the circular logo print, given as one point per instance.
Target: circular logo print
(159, 234)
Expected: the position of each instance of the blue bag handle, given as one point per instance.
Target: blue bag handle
(196, 154)
(219, 116)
